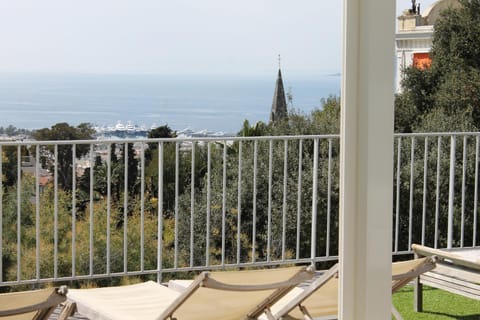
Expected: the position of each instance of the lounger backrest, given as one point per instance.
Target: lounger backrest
(405, 271)
(234, 294)
(37, 304)
(321, 297)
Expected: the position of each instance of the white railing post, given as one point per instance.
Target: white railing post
(125, 208)
(397, 196)
(313, 242)
(410, 199)
(1, 213)
(464, 175)
(74, 207)
(475, 196)
(239, 201)
(299, 196)
(177, 190)
(451, 192)
(37, 210)
(19, 211)
(192, 204)
(160, 212)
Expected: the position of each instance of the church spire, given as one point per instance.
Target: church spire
(279, 104)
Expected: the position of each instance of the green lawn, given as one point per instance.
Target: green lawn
(437, 304)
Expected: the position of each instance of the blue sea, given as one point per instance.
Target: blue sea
(215, 103)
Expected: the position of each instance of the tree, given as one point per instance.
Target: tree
(456, 40)
(63, 131)
(161, 132)
(451, 86)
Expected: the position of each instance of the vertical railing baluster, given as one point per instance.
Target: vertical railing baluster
(254, 209)
(410, 200)
(451, 192)
(55, 214)
(299, 196)
(239, 201)
(125, 207)
(91, 229)
(475, 195)
(109, 199)
(269, 209)
(329, 196)
(192, 205)
(424, 199)
(314, 201)
(1, 213)
(142, 207)
(19, 211)
(224, 198)
(464, 175)
(437, 190)
(74, 206)
(177, 181)
(37, 210)
(285, 190)
(160, 213)
(397, 196)
(207, 244)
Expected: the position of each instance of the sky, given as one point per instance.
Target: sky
(172, 37)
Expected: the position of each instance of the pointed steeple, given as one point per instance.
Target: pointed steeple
(279, 104)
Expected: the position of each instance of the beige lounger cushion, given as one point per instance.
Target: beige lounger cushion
(207, 303)
(139, 301)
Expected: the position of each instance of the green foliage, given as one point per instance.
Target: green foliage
(456, 42)
(9, 165)
(13, 131)
(325, 120)
(446, 95)
(63, 131)
(161, 132)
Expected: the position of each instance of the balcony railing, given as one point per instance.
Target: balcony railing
(74, 210)
(84, 210)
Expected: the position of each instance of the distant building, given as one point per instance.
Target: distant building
(413, 39)
(279, 104)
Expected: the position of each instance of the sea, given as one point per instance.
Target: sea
(214, 103)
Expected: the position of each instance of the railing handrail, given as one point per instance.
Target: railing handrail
(177, 139)
(436, 134)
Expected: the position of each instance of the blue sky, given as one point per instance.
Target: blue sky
(172, 37)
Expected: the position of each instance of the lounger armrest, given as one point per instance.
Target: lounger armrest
(54, 299)
(454, 258)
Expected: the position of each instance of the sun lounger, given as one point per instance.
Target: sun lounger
(319, 299)
(457, 271)
(37, 304)
(212, 295)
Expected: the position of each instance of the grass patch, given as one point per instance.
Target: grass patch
(437, 304)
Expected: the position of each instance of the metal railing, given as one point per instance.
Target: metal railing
(114, 208)
(436, 190)
(107, 209)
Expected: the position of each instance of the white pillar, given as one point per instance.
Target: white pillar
(366, 159)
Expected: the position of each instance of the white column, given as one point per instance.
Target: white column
(366, 159)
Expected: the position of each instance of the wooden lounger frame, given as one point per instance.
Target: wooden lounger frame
(42, 308)
(453, 274)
